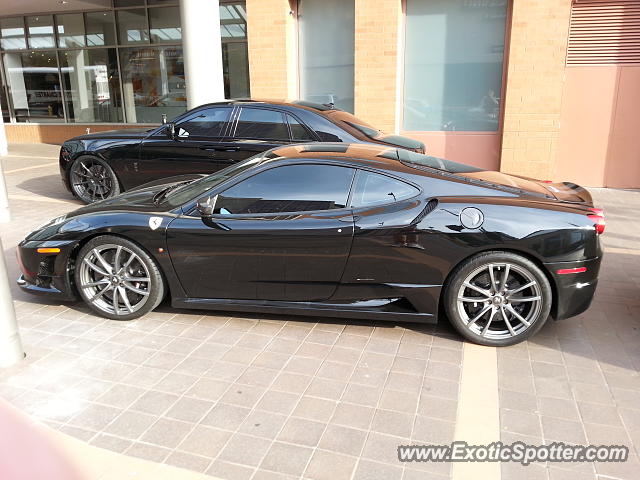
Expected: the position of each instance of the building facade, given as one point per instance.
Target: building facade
(548, 89)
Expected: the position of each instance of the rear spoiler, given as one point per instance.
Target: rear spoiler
(569, 192)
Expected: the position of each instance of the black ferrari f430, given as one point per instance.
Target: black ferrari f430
(333, 229)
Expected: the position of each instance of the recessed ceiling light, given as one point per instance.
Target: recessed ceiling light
(62, 2)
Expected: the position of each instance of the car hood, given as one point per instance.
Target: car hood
(140, 199)
(124, 133)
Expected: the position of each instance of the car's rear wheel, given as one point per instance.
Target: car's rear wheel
(498, 298)
(92, 179)
(117, 279)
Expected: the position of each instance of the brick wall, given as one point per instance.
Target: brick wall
(376, 61)
(272, 48)
(535, 80)
(56, 134)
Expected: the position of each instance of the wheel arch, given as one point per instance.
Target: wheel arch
(522, 253)
(73, 255)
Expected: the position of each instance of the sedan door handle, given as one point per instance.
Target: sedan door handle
(217, 148)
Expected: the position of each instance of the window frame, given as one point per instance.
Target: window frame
(192, 114)
(190, 207)
(385, 174)
(236, 119)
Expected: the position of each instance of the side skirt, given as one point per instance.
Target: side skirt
(362, 310)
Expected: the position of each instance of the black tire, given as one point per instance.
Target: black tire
(137, 279)
(498, 303)
(92, 179)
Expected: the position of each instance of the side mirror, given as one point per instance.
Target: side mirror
(207, 205)
(170, 130)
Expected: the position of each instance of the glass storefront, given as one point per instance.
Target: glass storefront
(120, 65)
(454, 53)
(326, 51)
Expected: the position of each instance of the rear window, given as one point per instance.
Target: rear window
(418, 160)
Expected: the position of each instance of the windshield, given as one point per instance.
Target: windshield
(195, 189)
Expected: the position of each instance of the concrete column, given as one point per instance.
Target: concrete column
(10, 345)
(202, 49)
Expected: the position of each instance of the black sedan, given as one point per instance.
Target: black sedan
(204, 140)
(348, 230)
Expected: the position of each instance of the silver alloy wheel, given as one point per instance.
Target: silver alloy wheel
(114, 279)
(90, 180)
(499, 300)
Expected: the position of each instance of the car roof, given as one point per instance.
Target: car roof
(301, 104)
(373, 155)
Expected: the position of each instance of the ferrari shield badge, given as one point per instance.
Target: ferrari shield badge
(154, 222)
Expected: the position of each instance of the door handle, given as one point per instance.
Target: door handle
(217, 148)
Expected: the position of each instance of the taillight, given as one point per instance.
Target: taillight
(598, 219)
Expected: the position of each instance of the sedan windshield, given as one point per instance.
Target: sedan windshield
(197, 188)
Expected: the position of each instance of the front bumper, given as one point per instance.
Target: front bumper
(574, 291)
(46, 274)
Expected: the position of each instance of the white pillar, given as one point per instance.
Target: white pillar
(10, 345)
(202, 49)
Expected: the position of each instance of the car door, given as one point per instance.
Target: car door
(281, 234)
(254, 130)
(195, 148)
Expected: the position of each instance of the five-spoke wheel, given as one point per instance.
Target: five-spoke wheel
(92, 179)
(118, 279)
(498, 298)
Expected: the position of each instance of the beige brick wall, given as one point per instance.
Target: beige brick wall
(272, 48)
(534, 87)
(376, 60)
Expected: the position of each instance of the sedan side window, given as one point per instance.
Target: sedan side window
(374, 189)
(209, 122)
(299, 132)
(261, 124)
(292, 188)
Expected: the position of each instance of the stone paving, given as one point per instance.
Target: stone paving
(274, 397)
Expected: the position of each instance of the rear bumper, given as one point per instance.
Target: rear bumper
(574, 291)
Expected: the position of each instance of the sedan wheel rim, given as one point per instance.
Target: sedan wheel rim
(90, 180)
(499, 301)
(114, 279)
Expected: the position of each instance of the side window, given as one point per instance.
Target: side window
(260, 124)
(209, 122)
(299, 133)
(292, 188)
(374, 189)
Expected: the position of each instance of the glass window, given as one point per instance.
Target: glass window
(70, 30)
(92, 85)
(299, 133)
(40, 31)
(164, 25)
(294, 188)
(374, 189)
(326, 51)
(235, 65)
(209, 122)
(100, 28)
(12, 33)
(453, 64)
(261, 124)
(34, 86)
(153, 83)
(128, 3)
(233, 20)
(132, 26)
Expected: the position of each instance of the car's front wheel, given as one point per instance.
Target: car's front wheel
(117, 279)
(92, 179)
(498, 298)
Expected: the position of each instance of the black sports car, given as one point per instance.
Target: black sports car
(349, 230)
(204, 140)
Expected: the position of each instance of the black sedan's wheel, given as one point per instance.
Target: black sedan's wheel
(117, 279)
(498, 298)
(92, 179)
